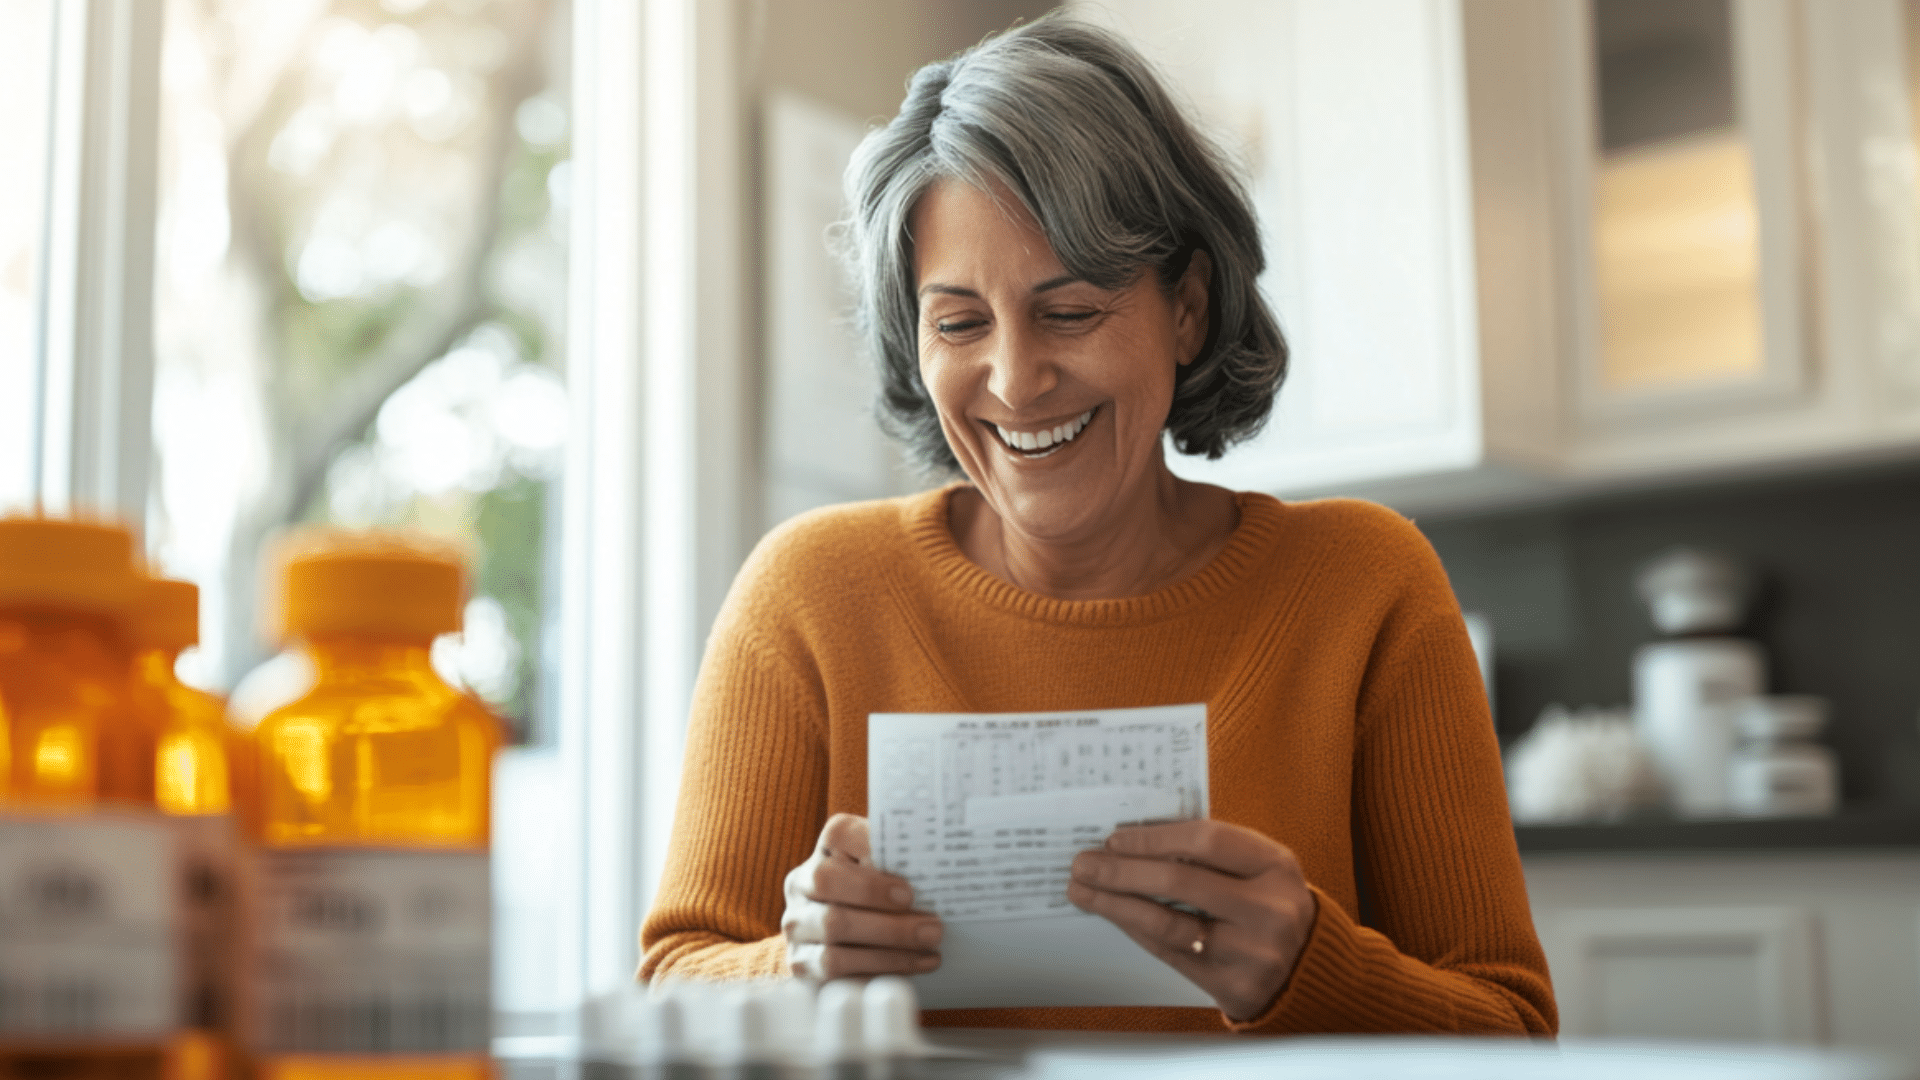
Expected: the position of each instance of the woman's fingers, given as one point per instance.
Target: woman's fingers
(838, 880)
(1259, 910)
(847, 834)
(1243, 966)
(1227, 848)
(845, 917)
(837, 924)
(1219, 895)
(1161, 930)
(845, 961)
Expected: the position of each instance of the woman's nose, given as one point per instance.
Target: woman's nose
(1019, 371)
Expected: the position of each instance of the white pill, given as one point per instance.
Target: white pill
(659, 1030)
(836, 1014)
(746, 1031)
(890, 1017)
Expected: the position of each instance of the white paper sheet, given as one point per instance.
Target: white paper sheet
(983, 814)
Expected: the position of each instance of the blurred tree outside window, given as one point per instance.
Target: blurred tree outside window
(360, 302)
(26, 81)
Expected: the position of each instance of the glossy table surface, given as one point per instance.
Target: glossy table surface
(1006, 1055)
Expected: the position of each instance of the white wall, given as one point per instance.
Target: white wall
(855, 55)
(826, 72)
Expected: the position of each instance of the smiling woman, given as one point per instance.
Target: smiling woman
(1058, 277)
(1013, 348)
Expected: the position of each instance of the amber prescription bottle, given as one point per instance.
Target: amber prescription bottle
(192, 767)
(371, 943)
(88, 886)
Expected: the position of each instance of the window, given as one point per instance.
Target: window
(26, 83)
(359, 316)
(358, 285)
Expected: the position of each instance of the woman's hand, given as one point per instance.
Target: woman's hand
(845, 917)
(1259, 906)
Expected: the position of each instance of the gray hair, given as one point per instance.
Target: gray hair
(1074, 122)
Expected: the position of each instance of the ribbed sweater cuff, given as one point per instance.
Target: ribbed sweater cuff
(1329, 989)
(719, 960)
(1352, 979)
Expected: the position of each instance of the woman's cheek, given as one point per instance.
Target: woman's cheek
(942, 379)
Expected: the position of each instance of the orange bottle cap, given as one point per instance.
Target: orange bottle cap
(376, 583)
(74, 565)
(165, 615)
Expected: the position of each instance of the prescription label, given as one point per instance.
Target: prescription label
(369, 951)
(209, 852)
(89, 912)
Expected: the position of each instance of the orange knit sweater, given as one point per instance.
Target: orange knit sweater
(1345, 720)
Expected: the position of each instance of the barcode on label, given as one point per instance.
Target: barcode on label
(88, 910)
(376, 951)
(396, 1023)
(208, 849)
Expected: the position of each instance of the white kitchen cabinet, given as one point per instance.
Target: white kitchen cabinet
(1427, 172)
(1762, 948)
(1352, 121)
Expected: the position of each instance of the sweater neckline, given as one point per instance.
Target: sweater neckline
(927, 516)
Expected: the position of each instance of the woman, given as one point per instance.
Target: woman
(1056, 270)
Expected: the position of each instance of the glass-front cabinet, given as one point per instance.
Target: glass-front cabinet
(1676, 226)
(1526, 247)
(1688, 282)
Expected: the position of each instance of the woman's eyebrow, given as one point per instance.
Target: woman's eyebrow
(961, 290)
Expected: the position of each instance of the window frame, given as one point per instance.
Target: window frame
(657, 462)
(93, 435)
(657, 495)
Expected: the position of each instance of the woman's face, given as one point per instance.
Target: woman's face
(1052, 392)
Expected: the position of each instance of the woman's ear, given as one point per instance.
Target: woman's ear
(1192, 306)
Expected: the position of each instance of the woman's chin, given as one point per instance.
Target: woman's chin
(1052, 510)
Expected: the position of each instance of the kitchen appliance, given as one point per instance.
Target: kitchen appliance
(1778, 770)
(1687, 688)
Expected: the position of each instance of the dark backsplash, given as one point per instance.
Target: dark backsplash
(1839, 610)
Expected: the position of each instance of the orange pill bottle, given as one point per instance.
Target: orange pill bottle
(89, 962)
(369, 950)
(191, 768)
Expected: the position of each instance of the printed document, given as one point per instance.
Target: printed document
(983, 814)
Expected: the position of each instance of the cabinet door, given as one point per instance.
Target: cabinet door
(1890, 138)
(1755, 947)
(1726, 974)
(1684, 210)
(1865, 56)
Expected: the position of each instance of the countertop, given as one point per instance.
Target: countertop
(1852, 828)
(1007, 1055)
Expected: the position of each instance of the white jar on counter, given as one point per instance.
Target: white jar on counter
(1778, 770)
(1685, 692)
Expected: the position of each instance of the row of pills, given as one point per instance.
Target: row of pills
(783, 1021)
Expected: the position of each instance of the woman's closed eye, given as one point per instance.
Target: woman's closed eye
(955, 327)
(1069, 319)
(967, 327)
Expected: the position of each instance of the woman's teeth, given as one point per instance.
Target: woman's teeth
(1048, 439)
